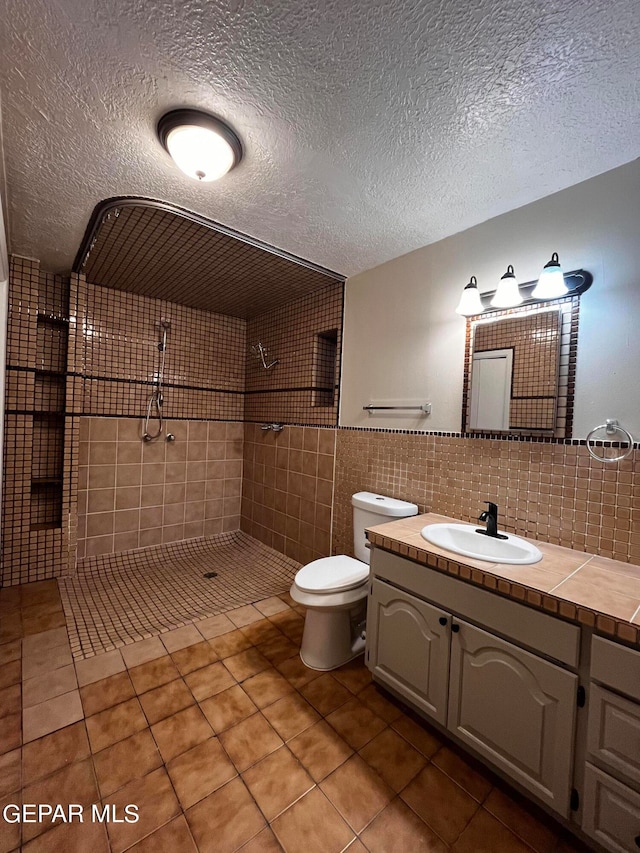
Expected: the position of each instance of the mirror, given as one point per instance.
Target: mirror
(519, 371)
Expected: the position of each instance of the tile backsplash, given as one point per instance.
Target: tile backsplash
(552, 491)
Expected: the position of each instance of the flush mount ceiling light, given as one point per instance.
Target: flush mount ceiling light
(202, 146)
(508, 293)
(470, 303)
(551, 283)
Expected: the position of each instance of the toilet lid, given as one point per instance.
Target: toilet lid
(332, 574)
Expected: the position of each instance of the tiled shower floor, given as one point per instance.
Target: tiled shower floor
(117, 599)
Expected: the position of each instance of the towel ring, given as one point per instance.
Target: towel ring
(611, 426)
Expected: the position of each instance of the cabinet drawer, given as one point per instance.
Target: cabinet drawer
(611, 812)
(614, 733)
(616, 666)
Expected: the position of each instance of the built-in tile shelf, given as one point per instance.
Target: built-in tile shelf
(47, 455)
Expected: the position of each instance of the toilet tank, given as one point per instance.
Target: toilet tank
(370, 509)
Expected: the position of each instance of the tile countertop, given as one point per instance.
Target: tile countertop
(595, 591)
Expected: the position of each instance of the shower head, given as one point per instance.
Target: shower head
(164, 323)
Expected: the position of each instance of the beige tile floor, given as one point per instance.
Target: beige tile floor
(228, 743)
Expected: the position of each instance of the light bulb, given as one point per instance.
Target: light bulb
(201, 153)
(470, 302)
(508, 293)
(551, 283)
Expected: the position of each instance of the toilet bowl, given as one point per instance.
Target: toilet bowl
(334, 589)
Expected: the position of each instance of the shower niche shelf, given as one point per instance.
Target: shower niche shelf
(47, 454)
(325, 360)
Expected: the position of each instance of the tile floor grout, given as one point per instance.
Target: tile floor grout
(240, 676)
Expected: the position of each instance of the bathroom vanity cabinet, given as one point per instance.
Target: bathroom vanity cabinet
(534, 689)
(508, 682)
(479, 677)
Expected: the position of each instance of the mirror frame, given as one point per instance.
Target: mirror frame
(570, 306)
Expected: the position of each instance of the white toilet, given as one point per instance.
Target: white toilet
(334, 589)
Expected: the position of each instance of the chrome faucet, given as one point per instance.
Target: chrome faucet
(491, 517)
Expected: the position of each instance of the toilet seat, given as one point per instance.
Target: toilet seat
(331, 574)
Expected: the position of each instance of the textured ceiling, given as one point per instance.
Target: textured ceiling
(158, 253)
(371, 127)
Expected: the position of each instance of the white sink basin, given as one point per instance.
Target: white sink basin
(463, 539)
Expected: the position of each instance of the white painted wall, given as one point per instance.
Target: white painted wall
(403, 340)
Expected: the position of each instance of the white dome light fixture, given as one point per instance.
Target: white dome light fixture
(551, 283)
(202, 146)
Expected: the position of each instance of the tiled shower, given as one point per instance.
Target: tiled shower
(82, 483)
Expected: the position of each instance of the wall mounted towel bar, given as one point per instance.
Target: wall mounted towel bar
(425, 408)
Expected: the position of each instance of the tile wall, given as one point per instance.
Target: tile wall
(133, 494)
(114, 357)
(220, 474)
(287, 489)
(305, 336)
(38, 527)
(553, 491)
(85, 358)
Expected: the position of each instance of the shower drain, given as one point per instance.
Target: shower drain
(210, 575)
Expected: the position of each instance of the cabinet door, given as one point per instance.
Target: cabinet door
(516, 709)
(408, 647)
(611, 812)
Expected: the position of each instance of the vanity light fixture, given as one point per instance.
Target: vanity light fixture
(202, 146)
(508, 293)
(551, 283)
(470, 302)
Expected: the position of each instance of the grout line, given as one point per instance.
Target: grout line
(570, 575)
